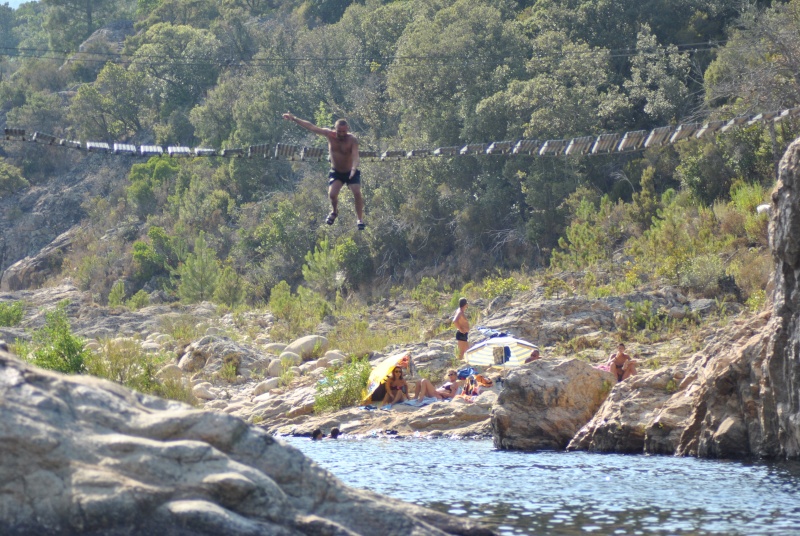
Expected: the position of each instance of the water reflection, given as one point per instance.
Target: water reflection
(571, 493)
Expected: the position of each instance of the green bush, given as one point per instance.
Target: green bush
(642, 316)
(427, 294)
(287, 374)
(701, 274)
(55, 347)
(124, 362)
(342, 387)
(499, 286)
(138, 300)
(10, 313)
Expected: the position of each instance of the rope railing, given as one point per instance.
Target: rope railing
(598, 144)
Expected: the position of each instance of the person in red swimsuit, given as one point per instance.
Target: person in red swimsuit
(396, 388)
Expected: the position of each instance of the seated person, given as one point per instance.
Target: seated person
(471, 389)
(396, 388)
(448, 390)
(534, 356)
(621, 364)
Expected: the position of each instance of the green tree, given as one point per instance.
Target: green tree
(7, 22)
(658, 78)
(590, 237)
(757, 68)
(11, 179)
(195, 13)
(230, 287)
(569, 91)
(354, 259)
(147, 262)
(112, 107)
(117, 295)
(71, 21)
(481, 49)
(199, 274)
(321, 270)
(180, 64)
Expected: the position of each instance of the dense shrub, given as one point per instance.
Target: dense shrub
(10, 313)
(123, 361)
(342, 387)
(55, 347)
(499, 286)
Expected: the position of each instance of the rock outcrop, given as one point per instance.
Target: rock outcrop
(31, 272)
(740, 395)
(86, 456)
(547, 322)
(700, 406)
(781, 391)
(544, 403)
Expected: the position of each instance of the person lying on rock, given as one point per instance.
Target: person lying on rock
(447, 391)
(621, 364)
(396, 388)
(534, 356)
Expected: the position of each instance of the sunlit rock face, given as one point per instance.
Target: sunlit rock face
(781, 391)
(79, 455)
(544, 403)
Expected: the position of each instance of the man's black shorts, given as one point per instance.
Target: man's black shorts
(344, 176)
(462, 336)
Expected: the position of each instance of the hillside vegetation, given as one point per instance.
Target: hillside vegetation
(406, 73)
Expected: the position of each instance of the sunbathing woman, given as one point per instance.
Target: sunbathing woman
(621, 365)
(448, 390)
(396, 388)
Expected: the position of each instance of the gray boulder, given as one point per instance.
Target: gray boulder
(86, 456)
(543, 404)
(309, 346)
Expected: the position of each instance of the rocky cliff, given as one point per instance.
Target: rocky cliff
(781, 390)
(740, 395)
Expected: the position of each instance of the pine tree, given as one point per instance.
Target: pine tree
(200, 272)
(230, 290)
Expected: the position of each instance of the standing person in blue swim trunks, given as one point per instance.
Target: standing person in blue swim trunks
(343, 151)
(462, 328)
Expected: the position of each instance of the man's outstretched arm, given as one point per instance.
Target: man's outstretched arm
(307, 125)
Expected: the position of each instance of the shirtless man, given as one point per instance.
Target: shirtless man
(462, 328)
(343, 151)
(621, 364)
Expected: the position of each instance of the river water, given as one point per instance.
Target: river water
(570, 493)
